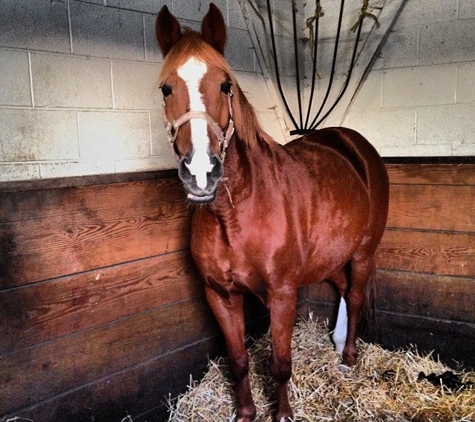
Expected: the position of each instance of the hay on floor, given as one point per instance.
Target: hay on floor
(383, 386)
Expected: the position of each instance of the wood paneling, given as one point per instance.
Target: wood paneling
(437, 207)
(431, 174)
(72, 361)
(51, 201)
(37, 313)
(102, 312)
(426, 295)
(428, 252)
(89, 227)
(139, 390)
(451, 341)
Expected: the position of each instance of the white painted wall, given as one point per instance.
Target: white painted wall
(78, 92)
(419, 99)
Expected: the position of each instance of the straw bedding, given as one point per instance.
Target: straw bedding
(383, 386)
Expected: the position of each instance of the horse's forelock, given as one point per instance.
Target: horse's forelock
(191, 44)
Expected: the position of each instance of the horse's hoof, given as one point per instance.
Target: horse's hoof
(344, 368)
(246, 414)
(349, 359)
(245, 418)
(284, 417)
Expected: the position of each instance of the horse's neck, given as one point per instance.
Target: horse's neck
(246, 168)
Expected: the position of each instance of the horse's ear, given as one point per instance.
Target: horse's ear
(213, 29)
(167, 29)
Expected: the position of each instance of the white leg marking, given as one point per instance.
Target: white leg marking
(341, 328)
(192, 72)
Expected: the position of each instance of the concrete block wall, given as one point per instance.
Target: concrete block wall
(419, 99)
(78, 93)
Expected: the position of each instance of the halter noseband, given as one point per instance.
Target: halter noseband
(223, 137)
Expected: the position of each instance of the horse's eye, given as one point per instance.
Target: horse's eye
(166, 90)
(226, 87)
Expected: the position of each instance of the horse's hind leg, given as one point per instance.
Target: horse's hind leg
(361, 270)
(230, 317)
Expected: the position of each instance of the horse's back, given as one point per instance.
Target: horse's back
(350, 146)
(346, 144)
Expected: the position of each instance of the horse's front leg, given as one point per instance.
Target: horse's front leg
(282, 312)
(229, 314)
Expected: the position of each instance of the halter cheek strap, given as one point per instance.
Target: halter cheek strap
(223, 137)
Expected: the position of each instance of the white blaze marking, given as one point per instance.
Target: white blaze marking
(192, 72)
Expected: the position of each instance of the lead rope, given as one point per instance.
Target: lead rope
(229, 131)
(228, 192)
(365, 14)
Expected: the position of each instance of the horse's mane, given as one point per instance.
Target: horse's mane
(246, 122)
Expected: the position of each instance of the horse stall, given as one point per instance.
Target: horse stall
(103, 314)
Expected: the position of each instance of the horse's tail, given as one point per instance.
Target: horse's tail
(368, 327)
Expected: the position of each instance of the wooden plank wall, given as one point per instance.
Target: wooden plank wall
(426, 263)
(101, 311)
(94, 280)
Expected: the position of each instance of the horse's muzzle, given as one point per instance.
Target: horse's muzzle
(200, 194)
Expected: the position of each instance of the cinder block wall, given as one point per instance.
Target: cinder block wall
(419, 99)
(78, 92)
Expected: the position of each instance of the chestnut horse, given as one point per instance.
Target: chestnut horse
(271, 218)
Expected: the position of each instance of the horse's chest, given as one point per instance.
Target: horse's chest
(228, 261)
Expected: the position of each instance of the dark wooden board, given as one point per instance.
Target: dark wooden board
(140, 391)
(48, 369)
(49, 247)
(40, 312)
(432, 207)
(431, 296)
(431, 252)
(453, 342)
(323, 292)
(432, 174)
(92, 180)
(46, 203)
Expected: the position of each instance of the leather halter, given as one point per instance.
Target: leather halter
(223, 137)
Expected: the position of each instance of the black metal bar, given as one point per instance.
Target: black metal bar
(314, 61)
(297, 67)
(350, 71)
(276, 65)
(332, 72)
(318, 119)
(301, 131)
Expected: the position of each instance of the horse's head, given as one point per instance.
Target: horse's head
(197, 92)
